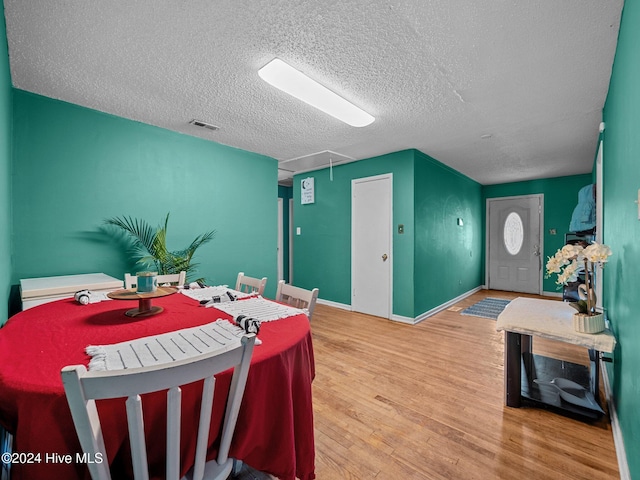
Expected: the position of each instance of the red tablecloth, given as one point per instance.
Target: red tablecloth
(275, 425)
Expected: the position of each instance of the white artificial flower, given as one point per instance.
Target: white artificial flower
(569, 274)
(571, 258)
(570, 252)
(554, 263)
(597, 253)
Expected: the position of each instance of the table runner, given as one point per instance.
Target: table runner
(217, 336)
(207, 293)
(260, 309)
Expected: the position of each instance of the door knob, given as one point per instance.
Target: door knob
(384, 257)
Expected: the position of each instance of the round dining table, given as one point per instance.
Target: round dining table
(274, 432)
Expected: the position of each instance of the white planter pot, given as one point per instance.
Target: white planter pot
(584, 323)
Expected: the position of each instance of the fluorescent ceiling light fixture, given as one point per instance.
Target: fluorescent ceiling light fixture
(297, 84)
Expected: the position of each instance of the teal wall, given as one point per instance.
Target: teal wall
(448, 257)
(73, 167)
(5, 174)
(560, 199)
(434, 260)
(322, 253)
(621, 165)
(286, 193)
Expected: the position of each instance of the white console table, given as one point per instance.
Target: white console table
(524, 318)
(36, 291)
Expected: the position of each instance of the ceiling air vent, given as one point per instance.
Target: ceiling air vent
(200, 123)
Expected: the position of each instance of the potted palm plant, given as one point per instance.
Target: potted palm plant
(149, 246)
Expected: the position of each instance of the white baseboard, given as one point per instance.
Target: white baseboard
(435, 310)
(409, 320)
(618, 441)
(552, 294)
(401, 319)
(342, 306)
(446, 305)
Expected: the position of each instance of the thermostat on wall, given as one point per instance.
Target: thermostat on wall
(307, 191)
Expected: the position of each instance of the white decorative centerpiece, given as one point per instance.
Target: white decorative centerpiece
(567, 263)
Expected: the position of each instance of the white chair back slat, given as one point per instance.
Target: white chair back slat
(203, 427)
(174, 404)
(85, 417)
(238, 383)
(136, 438)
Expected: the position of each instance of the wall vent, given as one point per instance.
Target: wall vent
(200, 123)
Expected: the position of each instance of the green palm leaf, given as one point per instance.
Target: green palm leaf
(149, 246)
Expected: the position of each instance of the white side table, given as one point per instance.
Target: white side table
(524, 318)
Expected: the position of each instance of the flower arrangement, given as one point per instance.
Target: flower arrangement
(567, 263)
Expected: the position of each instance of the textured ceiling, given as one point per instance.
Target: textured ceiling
(499, 90)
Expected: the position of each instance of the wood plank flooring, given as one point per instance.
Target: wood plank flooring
(426, 401)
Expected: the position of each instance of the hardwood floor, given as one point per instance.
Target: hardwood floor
(395, 401)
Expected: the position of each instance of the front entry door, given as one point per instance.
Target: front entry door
(515, 262)
(371, 245)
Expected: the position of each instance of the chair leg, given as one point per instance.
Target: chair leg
(237, 468)
(6, 446)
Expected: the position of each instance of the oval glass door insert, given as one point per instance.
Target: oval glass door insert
(513, 234)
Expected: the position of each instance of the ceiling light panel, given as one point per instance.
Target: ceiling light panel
(286, 78)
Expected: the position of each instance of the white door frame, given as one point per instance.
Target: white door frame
(488, 232)
(599, 216)
(291, 241)
(385, 176)
(280, 247)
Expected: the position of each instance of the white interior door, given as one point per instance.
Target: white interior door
(515, 244)
(371, 245)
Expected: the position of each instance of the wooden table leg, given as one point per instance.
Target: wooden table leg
(594, 373)
(145, 309)
(512, 369)
(526, 351)
(144, 305)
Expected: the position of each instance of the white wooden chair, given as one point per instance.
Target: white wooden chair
(297, 297)
(175, 279)
(250, 284)
(83, 388)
